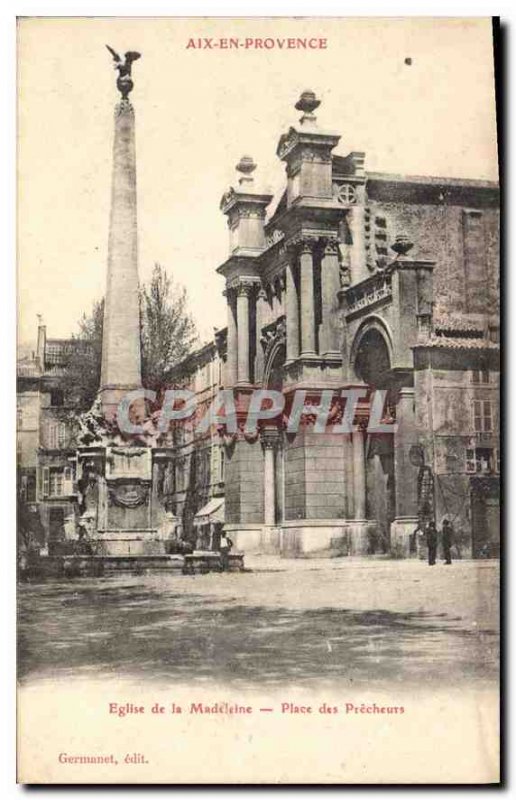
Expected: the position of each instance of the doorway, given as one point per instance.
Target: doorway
(373, 367)
(485, 517)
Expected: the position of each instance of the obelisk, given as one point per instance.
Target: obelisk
(121, 357)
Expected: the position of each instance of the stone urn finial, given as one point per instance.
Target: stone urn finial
(246, 166)
(402, 245)
(308, 103)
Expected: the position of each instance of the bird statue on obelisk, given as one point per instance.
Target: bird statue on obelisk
(121, 357)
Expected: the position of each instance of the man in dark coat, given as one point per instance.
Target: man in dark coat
(431, 541)
(225, 546)
(447, 537)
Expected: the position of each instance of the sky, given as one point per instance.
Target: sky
(197, 112)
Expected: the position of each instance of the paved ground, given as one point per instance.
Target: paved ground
(302, 622)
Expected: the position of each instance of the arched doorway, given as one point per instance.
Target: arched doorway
(372, 366)
(372, 359)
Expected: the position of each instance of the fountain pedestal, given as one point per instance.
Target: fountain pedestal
(123, 499)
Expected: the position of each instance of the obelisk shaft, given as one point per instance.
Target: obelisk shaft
(121, 357)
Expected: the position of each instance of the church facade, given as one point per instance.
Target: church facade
(362, 281)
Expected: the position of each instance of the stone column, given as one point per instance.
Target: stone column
(243, 292)
(269, 440)
(358, 264)
(292, 310)
(121, 360)
(330, 285)
(307, 300)
(269, 489)
(232, 342)
(359, 474)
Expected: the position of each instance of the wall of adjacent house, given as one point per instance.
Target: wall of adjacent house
(445, 419)
(199, 462)
(463, 242)
(28, 404)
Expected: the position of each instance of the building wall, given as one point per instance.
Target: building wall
(46, 442)
(315, 476)
(199, 459)
(28, 413)
(466, 253)
(445, 417)
(244, 483)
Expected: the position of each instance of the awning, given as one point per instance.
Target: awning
(213, 511)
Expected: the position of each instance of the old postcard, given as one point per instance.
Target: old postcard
(258, 401)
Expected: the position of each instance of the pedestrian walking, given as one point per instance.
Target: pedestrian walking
(431, 541)
(225, 547)
(447, 538)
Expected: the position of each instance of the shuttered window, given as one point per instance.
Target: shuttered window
(482, 416)
(56, 435)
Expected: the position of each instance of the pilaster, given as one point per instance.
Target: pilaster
(232, 340)
(243, 294)
(329, 345)
(269, 438)
(306, 267)
(292, 307)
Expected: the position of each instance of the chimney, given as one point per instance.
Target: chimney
(42, 340)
